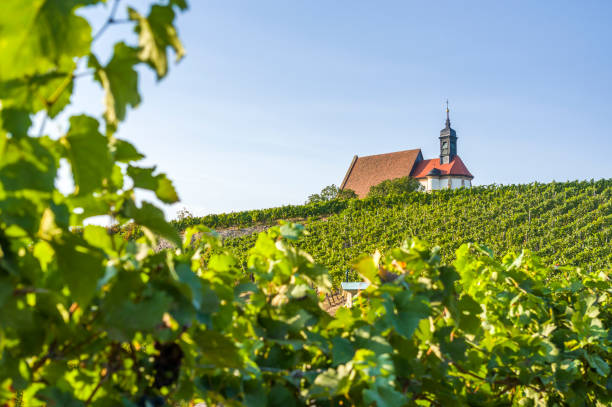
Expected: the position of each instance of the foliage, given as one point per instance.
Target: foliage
(91, 319)
(346, 194)
(568, 223)
(263, 216)
(331, 192)
(394, 187)
(183, 214)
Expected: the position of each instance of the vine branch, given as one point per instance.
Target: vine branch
(110, 20)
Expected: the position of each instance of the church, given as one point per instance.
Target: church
(448, 171)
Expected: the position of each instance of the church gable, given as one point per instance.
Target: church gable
(365, 172)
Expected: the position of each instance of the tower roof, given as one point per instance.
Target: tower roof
(427, 167)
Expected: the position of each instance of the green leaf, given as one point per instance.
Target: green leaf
(410, 311)
(55, 397)
(597, 363)
(88, 153)
(217, 349)
(468, 314)
(156, 33)
(119, 80)
(366, 267)
(28, 163)
(332, 382)
(384, 395)
(48, 91)
(221, 262)
(15, 121)
(291, 231)
(280, 396)
(193, 282)
(80, 267)
(342, 350)
(152, 218)
(160, 184)
(41, 35)
(123, 320)
(181, 4)
(98, 236)
(125, 151)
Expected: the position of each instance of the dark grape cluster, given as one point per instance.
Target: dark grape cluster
(167, 364)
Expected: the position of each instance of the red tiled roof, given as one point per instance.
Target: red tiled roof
(371, 170)
(455, 167)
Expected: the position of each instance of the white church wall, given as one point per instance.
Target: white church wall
(434, 184)
(424, 184)
(456, 183)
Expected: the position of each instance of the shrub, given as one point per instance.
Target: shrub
(395, 186)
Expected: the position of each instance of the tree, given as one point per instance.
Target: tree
(395, 186)
(183, 214)
(331, 192)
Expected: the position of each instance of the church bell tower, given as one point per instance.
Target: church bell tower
(448, 141)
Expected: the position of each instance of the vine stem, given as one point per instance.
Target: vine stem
(95, 390)
(42, 125)
(110, 20)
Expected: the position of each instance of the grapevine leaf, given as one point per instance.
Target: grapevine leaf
(332, 382)
(218, 349)
(342, 350)
(410, 311)
(28, 163)
(597, 363)
(160, 184)
(119, 80)
(15, 121)
(468, 310)
(280, 396)
(153, 218)
(192, 282)
(97, 236)
(125, 151)
(50, 91)
(56, 397)
(156, 33)
(80, 266)
(384, 396)
(291, 231)
(181, 4)
(126, 318)
(88, 154)
(42, 36)
(367, 269)
(221, 262)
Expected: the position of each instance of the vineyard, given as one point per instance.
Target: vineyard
(99, 317)
(566, 224)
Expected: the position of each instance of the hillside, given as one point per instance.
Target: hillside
(567, 223)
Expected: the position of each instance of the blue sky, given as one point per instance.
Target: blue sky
(275, 97)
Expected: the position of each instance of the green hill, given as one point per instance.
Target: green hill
(567, 223)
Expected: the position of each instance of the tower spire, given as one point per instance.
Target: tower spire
(447, 116)
(448, 140)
